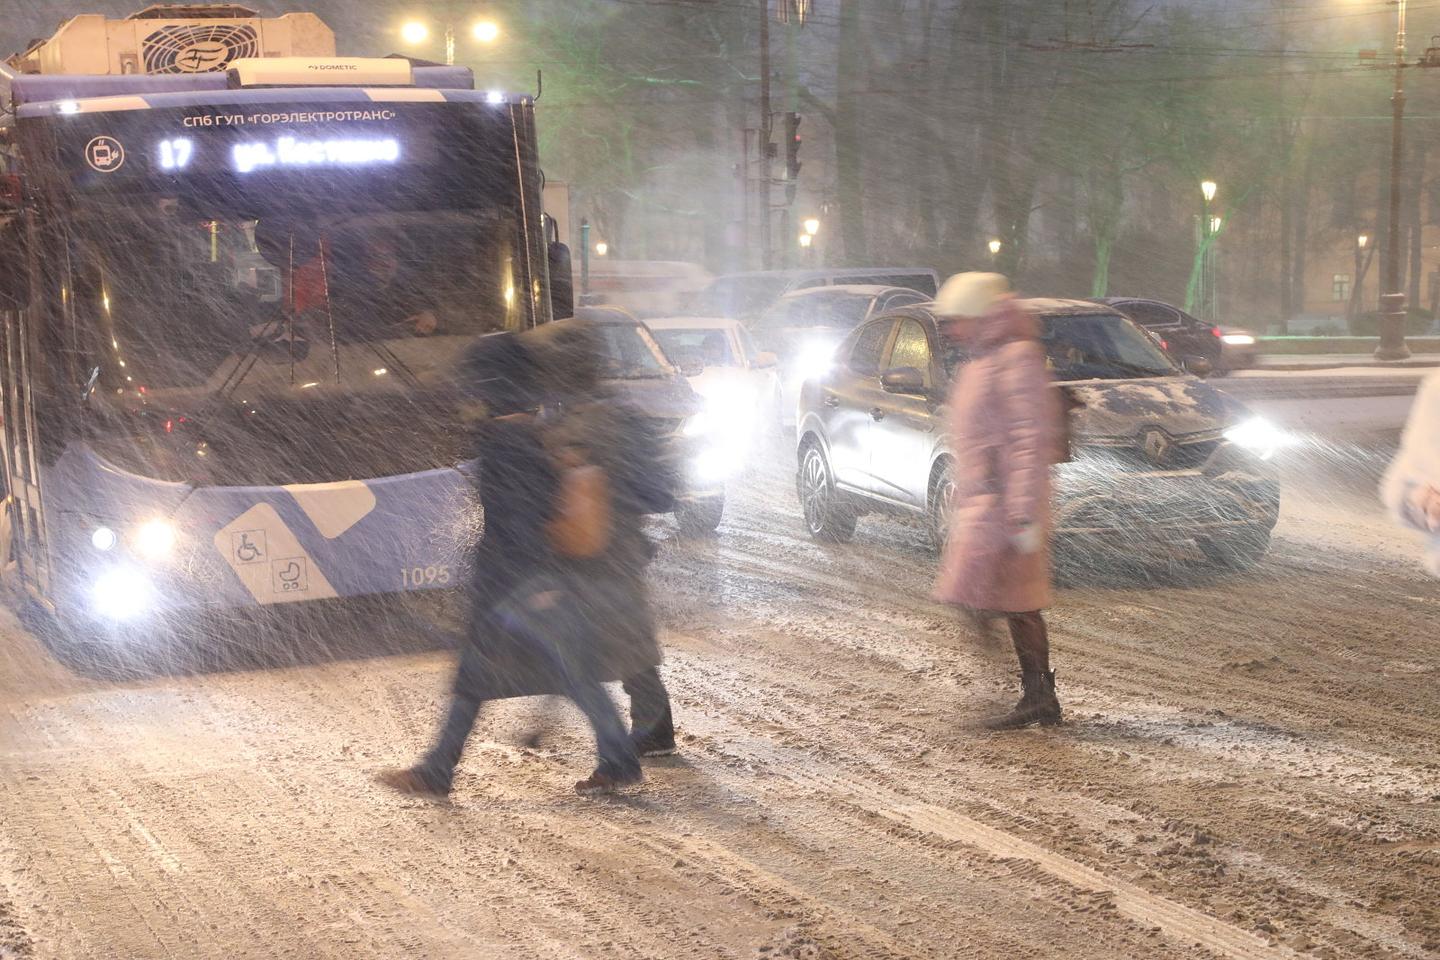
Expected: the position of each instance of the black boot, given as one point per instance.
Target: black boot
(1038, 704)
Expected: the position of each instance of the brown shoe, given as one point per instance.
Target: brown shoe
(604, 782)
(1038, 704)
(412, 782)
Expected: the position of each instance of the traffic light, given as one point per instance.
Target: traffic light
(792, 146)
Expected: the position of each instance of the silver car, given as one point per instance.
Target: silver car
(1158, 455)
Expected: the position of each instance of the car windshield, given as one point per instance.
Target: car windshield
(630, 353)
(712, 347)
(1101, 346)
(738, 296)
(837, 309)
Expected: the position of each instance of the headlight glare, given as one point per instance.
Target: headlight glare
(155, 539)
(122, 593)
(1238, 339)
(1259, 436)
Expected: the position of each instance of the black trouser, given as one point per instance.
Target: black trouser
(650, 717)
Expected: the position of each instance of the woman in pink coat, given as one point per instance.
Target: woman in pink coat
(1004, 421)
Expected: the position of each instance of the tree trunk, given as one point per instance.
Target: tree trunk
(848, 135)
(1414, 207)
(1301, 201)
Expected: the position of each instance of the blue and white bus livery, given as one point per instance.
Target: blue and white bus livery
(233, 308)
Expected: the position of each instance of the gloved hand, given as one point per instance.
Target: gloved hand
(1027, 538)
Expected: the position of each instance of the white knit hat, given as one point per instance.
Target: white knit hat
(970, 294)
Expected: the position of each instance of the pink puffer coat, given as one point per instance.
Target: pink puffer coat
(1003, 421)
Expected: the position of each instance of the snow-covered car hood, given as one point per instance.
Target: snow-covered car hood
(664, 398)
(1178, 405)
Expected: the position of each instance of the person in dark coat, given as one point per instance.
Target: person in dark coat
(528, 633)
(615, 436)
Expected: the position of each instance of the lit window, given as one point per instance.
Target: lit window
(1340, 287)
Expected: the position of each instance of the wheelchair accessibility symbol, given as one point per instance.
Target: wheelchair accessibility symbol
(290, 575)
(105, 154)
(248, 546)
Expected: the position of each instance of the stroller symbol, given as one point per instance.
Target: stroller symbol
(290, 575)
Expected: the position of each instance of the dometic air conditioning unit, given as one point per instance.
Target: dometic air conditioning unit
(176, 38)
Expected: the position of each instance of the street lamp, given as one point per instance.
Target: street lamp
(995, 246)
(1207, 190)
(1392, 304)
(602, 248)
(806, 240)
(417, 32)
(812, 227)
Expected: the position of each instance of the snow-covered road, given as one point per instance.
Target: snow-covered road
(1248, 770)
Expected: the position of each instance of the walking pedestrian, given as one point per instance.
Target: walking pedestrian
(1004, 422)
(527, 632)
(1411, 488)
(604, 429)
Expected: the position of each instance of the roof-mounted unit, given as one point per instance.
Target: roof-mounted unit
(327, 72)
(175, 39)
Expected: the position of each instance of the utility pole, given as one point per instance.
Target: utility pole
(1392, 298)
(767, 143)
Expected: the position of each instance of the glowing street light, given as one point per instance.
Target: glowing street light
(812, 227)
(1215, 223)
(1362, 241)
(806, 239)
(995, 246)
(417, 32)
(1207, 190)
(602, 248)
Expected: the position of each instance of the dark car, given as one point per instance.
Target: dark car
(743, 296)
(803, 328)
(636, 367)
(1224, 349)
(1158, 455)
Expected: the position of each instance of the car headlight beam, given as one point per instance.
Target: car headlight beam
(122, 593)
(1259, 436)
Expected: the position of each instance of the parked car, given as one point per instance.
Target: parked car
(637, 368)
(1225, 349)
(1158, 455)
(747, 295)
(803, 328)
(739, 383)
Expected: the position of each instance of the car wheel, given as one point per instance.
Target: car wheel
(827, 516)
(942, 499)
(1240, 550)
(699, 518)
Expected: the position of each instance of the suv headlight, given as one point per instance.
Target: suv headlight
(1259, 436)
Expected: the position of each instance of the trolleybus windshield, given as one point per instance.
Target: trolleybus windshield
(285, 306)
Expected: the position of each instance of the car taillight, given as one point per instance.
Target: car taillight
(1215, 332)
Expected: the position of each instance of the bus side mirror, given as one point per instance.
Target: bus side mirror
(14, 267)
(562, 283)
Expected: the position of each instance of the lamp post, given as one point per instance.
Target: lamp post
(1392, 298)
(995, 247)
(1209, 226)
(417, 32)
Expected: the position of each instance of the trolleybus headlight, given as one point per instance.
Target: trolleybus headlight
(122, 593)
(155, 539)
(103, 538)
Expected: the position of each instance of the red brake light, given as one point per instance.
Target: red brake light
(1215, 332)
